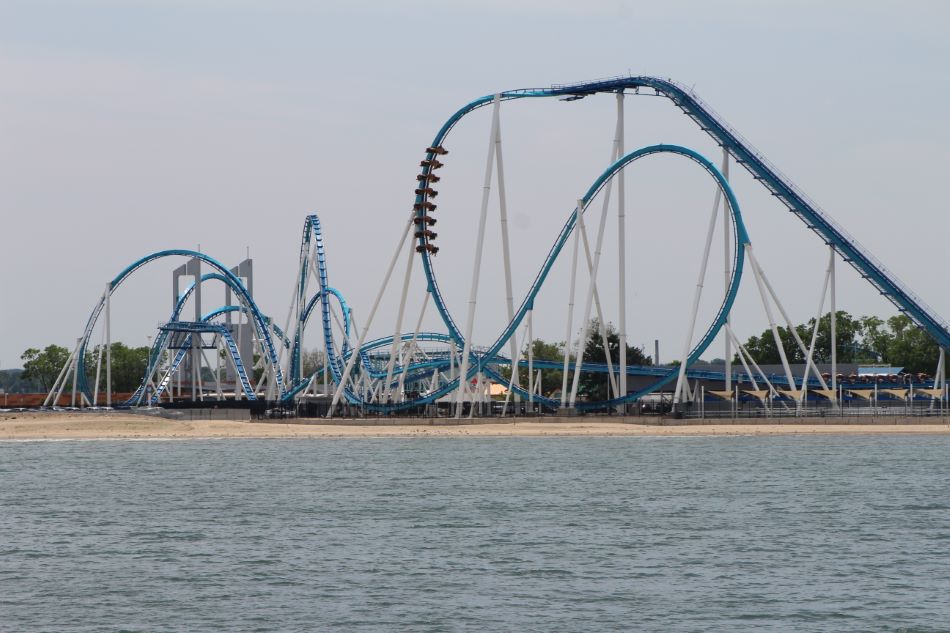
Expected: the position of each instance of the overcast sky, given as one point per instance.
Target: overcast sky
(133, 126)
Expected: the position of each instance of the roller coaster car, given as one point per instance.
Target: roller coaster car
(428, 206)
(431, 164)
(429, 177)
(421, 248)
(428, 191)
(423, 220)
(438, 149)
(429, 235)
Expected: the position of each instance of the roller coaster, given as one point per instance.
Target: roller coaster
(413, 368)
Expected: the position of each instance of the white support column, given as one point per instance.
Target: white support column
(196, 338)
(505, 249)
(622, 253)
(578, 222)
(833, 318)
(477, 268)
(727, 265)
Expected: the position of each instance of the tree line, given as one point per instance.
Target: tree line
(865, 340)
(42, 367)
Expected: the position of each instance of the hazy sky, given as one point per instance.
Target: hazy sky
(132, 126)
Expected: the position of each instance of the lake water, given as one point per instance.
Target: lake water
(508, 534)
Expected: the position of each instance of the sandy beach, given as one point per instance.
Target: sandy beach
(32, 426)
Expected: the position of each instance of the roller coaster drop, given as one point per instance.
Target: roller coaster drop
(408, 376)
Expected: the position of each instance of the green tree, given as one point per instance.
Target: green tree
(763, 350)
(43, 367)
(848, 340)
(849, 345)
(592, 385)
(910, 347)
(550, 378)
(869, 339)
(128, 367)
(875, 336)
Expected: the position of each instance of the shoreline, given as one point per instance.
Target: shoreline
(120, 426)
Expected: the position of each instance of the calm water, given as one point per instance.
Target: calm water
(518, 534)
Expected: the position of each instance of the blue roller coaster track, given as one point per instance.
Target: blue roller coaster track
(482, 363)
(489, 360)
(202, 328)
(261, 323)
(743, 152)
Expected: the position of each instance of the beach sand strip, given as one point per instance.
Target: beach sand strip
(34, 426)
